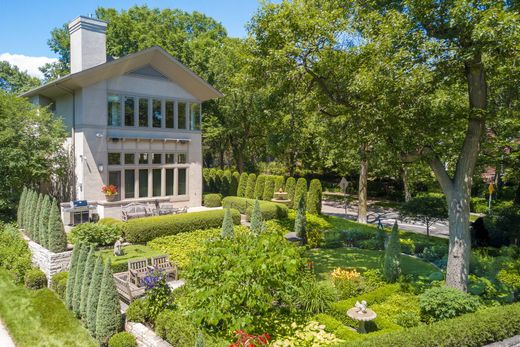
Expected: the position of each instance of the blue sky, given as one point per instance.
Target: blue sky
(26, 25)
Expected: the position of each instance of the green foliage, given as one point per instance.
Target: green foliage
(300, 191)
(59, 284)
(108, 315)
(57, 241)
(440, 303)
(145, 229)
(392, 263)
(12, 80)
(90, 264)
(119, 263)
(137, 312)
(242, 185)
(21, 208)
(256, 219)
(43, 221)
(268, 188)
(78, 279)
(212, 200)
(426, 208)
(15, 256)
(33, 200)
(233, 188)
(270, 210)
(93, 295)
(290, 187)
(278, 183)
(314, 197)
(97, 234)
(71, 279)
(315, 296)
(407, 246)
(260, 187)
(266, 268)
(250, 188)
(36, 220)
(408, 319)
(199, 342)
(227, 225)
(300, 222)
(159, 295)
(225, 185)
(35, 279)
(478, 205)
(503, 224)
(122, 339)
(175, 328)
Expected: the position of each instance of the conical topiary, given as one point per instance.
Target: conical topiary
(108, 315)
(31, 213)
(69, 292)
(314, 197)
(36, 223)
(392, 265)
(260, 186)
(290, 186)
(199, 342)
(43, 221)
(300, 223)
(250, 188)
(233, 188)
(21, 210)
(57, 239)
(256, 219)
(93, 295)
(78, 280)
(242, 184)
(225, 185)
(300, 191)
(228, 230)
(268, 189)
(26, 207)
(85, 284)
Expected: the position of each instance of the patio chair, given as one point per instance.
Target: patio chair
(137, 270)
(182, 210)
(135, 210)
(162, 263)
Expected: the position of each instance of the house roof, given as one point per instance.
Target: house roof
(154, 56)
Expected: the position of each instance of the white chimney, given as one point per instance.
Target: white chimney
(87, 43)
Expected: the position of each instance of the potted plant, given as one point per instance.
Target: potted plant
(110, 192)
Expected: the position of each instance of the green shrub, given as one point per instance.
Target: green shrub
(407, 246)
(43, 221)
(233, 188)
(57, 239)
(205, 180)
(35, 279)
(260, 186)
(315, 296)
(434, 252)
(59, 284)
(71, 279)
(31, 215)
(242, 184)
(478, 205)
(250, 188)
(98, 234)
(137, 312)
(290, 187)
(93, 295)
(108, 314)
(78, 280)
(408, 319)
(256, 219)
(278, 183)
(145, 229)
(15, 256)
(270, 210)
(122, 339)
(314, 197)
(111, 221)
(20, 211)
(427, 208)
(440, 303)
(300, 191)
(227, 230)
(268, 188)
(36, 221)
(90, 265)
(300, 222)
(175, 328)
(212, 200)
(392, 263)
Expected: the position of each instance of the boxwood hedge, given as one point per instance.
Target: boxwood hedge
(145, 229)
(269, 210)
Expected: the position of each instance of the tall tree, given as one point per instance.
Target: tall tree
(108, 315)
(93, 295)
(12, 80)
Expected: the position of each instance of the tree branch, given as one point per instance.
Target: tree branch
(435, 163)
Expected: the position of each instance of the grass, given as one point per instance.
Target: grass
(326, 260)
(119, 263)
(38, 317)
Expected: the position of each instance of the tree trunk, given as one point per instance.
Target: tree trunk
(363, 181)
(404, 177)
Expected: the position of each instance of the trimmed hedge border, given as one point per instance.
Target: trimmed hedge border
(269, 210)
(472, 329)
(212, 200)
(142, 230)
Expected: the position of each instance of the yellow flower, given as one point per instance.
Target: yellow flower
(344, 274)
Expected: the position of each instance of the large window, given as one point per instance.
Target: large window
(114, 178)
(129, 158)
(181, 115)
(143, 183)
(156, 184)
(129, 111)
(181, 183)
(169, 181)
(143, 158)
(114, 158)
(156, 158)
(143, 112)
(114, 110)
(156, 114)
(168, 108)
(194, 117)
(129, 184)
(169, 158)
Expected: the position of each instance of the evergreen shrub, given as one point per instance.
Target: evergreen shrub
(35, 279)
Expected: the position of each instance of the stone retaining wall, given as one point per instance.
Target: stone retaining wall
(145, 337)
(49, 262)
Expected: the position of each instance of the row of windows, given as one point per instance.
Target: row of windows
(117, 158)
(138, 183)
(133, 111)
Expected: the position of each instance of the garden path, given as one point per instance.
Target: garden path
(5, 338)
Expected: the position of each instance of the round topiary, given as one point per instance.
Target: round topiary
(290, 186)
(59, 284)
(212, 200)
(314, 197)
(300, 191)
(35, 279)
(122, 339)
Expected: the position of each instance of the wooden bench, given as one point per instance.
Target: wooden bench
(137, 270)
(127, 291)
(135, 210)
(164, 265)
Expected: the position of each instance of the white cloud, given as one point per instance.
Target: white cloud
(26, 63)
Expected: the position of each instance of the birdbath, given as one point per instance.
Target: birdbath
(362, 314)
(281, 197)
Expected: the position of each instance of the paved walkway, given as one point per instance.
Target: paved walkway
(5, 339)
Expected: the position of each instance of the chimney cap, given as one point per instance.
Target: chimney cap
(83, 22)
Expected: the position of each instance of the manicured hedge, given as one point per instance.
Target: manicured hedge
(145, 229)
(473, 329)
(269, 210)
(212, 200)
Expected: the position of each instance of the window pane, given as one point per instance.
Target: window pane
(181, 185)
(181, 158)
(169, 114)
(129, 184)
(194, 116)
(114, 110)
(143, 183)
(170, 158)
(181, 115)
(114, 178)
(156, 113)
(143, 112)
(129, 111)
(114, 158)
(129, 158)
(156, 158)
(156, 187)
(143, 158)
(169, 181)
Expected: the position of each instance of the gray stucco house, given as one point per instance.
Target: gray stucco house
(134, 122)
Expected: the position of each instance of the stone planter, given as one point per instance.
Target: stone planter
(111, 198)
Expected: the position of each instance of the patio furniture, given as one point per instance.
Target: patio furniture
(127, 291)
(137, 270)
(165, 209)
(182, 210)
(162, 263)
(135, 210)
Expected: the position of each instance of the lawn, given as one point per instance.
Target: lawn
(38, 317)
(119, 263)
(326, 260)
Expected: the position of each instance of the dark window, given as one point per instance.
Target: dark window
(129, 111)
(143, 158)
(114, 110)
(129, 184)
(143, 183)
(169, 181)
(181, 184)
(169, 158)
(181, 158)
(143, 112)
(129, 158)
(156, 186)
(181, 115)
(194, 116)
(156, 158)
(114, 178)
(169, 114)
(114, 158)
(156, 114)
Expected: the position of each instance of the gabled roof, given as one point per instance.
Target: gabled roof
(154, 56)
